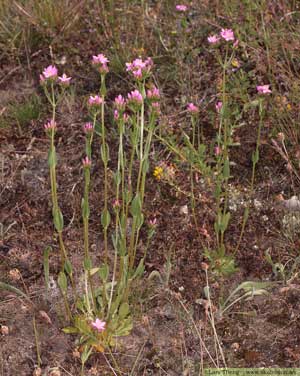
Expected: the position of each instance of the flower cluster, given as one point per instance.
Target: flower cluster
(226, 34)
(192, 109)
(120, 103)
(86, 162)
(50, 74)
(50, 127)
(263, 89)
(135, 98)
(95, 101)
(140, 68)
(88, 128)
(153, 94)
(101, 61)
(181, 8)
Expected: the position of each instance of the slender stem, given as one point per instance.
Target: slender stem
(254, 163)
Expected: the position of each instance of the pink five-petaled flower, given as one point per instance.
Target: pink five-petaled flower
(49, 72)
(227, 34)
(64, 79)
(50, 126)
(213, 39)
(263, 89)
(181, 8)
(88, 128)
(95, 100)
(193, 109)
(101, 61)
(135, 97)
(86, 162)
(219, 105)
(119, 103)
(99, 325)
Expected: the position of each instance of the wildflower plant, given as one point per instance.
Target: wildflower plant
(102, 313)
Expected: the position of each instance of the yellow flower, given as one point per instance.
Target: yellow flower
(288, 107)
(158, 172)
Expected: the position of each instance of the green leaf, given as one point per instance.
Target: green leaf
(255, 156)
(70, 330)
(139, 271)
(58, 219)
(226, 169)
(104, 272)
(105, 153)
(105, 218)
(225, 221)
(145, 168)
(246, 214)
(6, 286)
(87, 263)
(124, 310)
(68, 267)
(62, 282)
(94, 271)
(85, 208)
(125, 328)
(136, 206)
(87, 350)
(117, 178)
(139, 220)
(206, 292)
(52, 160)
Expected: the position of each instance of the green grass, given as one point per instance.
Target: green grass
(21, 114)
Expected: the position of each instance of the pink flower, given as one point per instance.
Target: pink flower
(213, 39)
(181, 8)
(155, 106)
(116, 204)
(50, 72)
(64, 79)
(101, 62)
(125, 117)
(95, 100)
(100, 59)
(192, 108)
(153, 222)
(50, 126)
(219, 106)
(153, 94)
(236, 44)
(140, 68)
(227, 34)
(120, 102)
(88, 128)
(99, 325)
(116, 114)
(217, 150)
(86, 162)
(42, 79)
(135, 97)
(263, 89)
